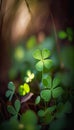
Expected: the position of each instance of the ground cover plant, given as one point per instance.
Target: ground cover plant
(43, 99)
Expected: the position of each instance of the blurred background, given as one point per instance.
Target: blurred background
(29, 24)
(23, 23)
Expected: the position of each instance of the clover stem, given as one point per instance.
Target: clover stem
(42, 76)
(19, 114)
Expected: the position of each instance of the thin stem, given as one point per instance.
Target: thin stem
(27, 4)
(56, 38)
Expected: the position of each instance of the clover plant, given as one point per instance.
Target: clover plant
(11, 90)
(50, 103)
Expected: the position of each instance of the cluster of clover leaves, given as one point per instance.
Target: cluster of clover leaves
(50, 92)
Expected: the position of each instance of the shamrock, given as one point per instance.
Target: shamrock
(24, 89)
(29, 77)
(42, 57)
(11, 90)
(51, 88)
(14, 110)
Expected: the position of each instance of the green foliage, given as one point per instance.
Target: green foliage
(11, 91)
(63, 108)
(43, 61)
(30, 120)
(46, 95)
(47, 82)
(51, 96)
(31, 42)
(19, 54)
(52, 89)
(29, 77)
(14, 110)
(37, 101)
(24, 89)
(29, 117)
(67, 57)
(66, 34)
(62, 35)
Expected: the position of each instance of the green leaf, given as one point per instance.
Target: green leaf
(31, 42)
(47, 119)
(63, 109)
(56, 82)
(11, 110)
(58, 124)
(62, 35)
(37, 101)
(48, 63)
(47, 82)
(50, 109)
(17, 105)
(46, 95)
(37, 54)
(14, 117)
(41, 113)
(8, 93)
(39, 66)
(45, 53)
(67, 107)
(11, 86)
(69, 31)
(29, 117)
(57, 92)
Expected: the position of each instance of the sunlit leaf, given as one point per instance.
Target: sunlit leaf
(26, 88)
(19, 54)
(48, 63)
(37, 54)
(29, 77)
(39, 66)
(62, 35)
(45, 53)
(31, 42)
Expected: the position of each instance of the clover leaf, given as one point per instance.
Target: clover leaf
(9, 93)
(29, 77)
(37, 101)
(57, 92)
(63, 108)
(46, 95)
(51, 88)
(42, 56)
(56, 89)
(62, 34)
(24, 89)
(47, 82)
(14, 110)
